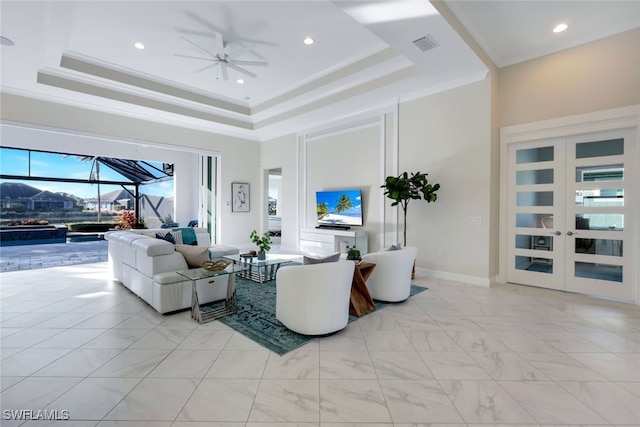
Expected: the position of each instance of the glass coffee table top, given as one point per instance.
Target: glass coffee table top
(258, 270)
(270, 260)
(201, 273)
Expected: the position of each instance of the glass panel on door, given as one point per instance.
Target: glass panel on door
(540, 243)
(534, 198)
(605, 272)
(534, 176)
(599, 247)
(603, 173)
(534, 220)
(609, 147)
(534, 155)
(600, 221)
(535, 264)
(599, 197)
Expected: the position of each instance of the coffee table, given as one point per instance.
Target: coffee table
(257, 270)
(229, 307)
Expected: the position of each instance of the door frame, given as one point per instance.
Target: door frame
(605, 120)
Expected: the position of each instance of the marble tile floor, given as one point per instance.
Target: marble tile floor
(75, 342)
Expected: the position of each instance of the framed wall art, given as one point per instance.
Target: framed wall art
(240, 197)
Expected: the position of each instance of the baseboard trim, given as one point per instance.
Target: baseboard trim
(445, 275)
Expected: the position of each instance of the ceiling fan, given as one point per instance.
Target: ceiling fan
(222, 60)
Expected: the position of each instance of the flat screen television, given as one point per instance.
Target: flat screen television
(341, 208)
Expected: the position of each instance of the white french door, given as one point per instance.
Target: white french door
(571, 213)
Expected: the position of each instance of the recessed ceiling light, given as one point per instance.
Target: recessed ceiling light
(139, 45)
(5, 41)
(560, 28)
(240, 81)
(308, 40)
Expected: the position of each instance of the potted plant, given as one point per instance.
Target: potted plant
(354, 255)
(404, 188)
(262, 242)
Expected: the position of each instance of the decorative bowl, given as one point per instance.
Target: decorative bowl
(217, 265)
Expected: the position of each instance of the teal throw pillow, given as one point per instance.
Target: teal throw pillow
(188, 236)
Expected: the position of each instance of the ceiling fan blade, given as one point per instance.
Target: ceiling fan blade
(195, 57)
(242, 70)
(207, 67)
(243, 49)
(256, 63)
(199, 47)
(201, 20)
(225, 72)
(219, 44)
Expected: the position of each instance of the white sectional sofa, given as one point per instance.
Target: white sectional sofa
(147, 266)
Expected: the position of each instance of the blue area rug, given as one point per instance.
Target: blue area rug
(256, 318)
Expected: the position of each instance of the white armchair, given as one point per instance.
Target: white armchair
(314, 299)
(391, 278)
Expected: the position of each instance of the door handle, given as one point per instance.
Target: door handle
(557, 233)
(570, 233)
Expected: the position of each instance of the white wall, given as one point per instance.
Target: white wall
(349, 158)
(600, 75)
(447, 135)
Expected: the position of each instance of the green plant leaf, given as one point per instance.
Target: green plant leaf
(404, 188)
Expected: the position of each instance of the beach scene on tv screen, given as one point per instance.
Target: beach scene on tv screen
(340, 207)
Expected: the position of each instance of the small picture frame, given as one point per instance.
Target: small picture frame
(240, 196)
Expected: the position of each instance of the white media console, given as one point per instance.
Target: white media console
(329, 240)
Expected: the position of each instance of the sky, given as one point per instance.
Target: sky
(331, 198)
(15, 162)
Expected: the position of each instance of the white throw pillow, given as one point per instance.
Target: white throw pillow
(312, 260)
(194, 255)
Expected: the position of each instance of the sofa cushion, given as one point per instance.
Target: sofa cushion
(320, 260)
(220, 251)
(168, 278)
(129, 238)
(395, 247)
(194, 255)
(153, 247)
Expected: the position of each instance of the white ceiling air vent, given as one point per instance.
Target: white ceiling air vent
(425, 43)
